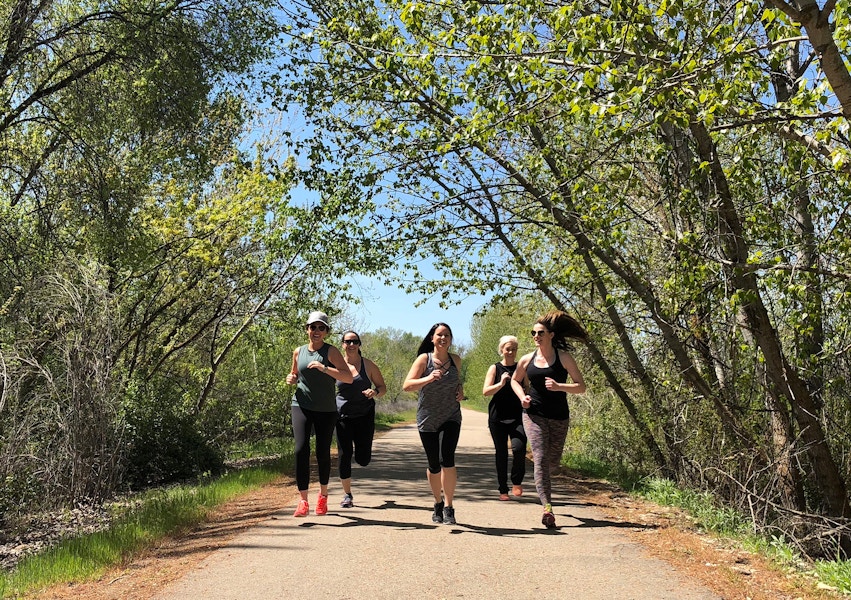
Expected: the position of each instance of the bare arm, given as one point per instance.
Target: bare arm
(415, 381)
(292, 376)
(489, 389)
(377, 380)
(577, 385)
(340, 371)
(459, 391)
(519, 378)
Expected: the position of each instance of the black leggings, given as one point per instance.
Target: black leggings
(354, 439)
(500, 432)
(440, 445)
(322, 423)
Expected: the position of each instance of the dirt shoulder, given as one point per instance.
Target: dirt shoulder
(666, 533)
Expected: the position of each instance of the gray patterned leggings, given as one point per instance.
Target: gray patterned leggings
(546, 438)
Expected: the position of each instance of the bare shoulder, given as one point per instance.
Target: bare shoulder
(524, 360)
(566, 357)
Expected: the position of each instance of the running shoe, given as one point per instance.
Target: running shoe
(548, 518)
(347, 502)
(437, 517)
(322, 505)
(504, 497)
(302, 509)
(448, 515)
(517, 490)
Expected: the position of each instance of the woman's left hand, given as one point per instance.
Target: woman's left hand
(550, 383)
(459, 394)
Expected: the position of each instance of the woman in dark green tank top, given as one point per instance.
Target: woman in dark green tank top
(316, 368)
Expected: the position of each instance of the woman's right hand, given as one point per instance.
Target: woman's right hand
(526, 401)
(436, 375)
(292, 378)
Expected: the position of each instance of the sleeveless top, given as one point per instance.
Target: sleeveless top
(350, 399)
(315, 389)
(547, 403)
(438, 401)
(504, 406)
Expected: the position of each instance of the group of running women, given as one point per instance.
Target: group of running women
(337, 391)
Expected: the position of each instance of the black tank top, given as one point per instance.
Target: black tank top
(547, 403)
(504, 406)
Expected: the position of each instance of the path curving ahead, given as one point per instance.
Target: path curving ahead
(386, 547)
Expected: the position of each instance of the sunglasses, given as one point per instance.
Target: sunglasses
(313, 327)
(536, 333)
(355, 342)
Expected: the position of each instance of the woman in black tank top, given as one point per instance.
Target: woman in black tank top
(542, 381)
(356, 407)
(505, 419)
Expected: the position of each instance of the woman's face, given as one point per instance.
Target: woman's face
(442, 338)
(351, 343)
(317, 331)
(509, 352)
(541, 335)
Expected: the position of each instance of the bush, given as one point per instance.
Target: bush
(165, 443)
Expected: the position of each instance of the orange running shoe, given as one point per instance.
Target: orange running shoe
(302, 509)
(322, 505)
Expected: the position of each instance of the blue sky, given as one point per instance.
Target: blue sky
(385, 306)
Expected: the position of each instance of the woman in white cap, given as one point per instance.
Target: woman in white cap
(316, 368)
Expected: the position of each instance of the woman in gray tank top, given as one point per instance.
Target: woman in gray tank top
(436, 375)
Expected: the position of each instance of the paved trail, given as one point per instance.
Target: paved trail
(386, 547)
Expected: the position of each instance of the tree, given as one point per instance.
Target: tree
(628, 161)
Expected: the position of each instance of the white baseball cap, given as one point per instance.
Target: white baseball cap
(318, 317)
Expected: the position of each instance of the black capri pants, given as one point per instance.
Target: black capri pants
(440, 445)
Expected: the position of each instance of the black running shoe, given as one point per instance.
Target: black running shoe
(437, 517)
(449, 515)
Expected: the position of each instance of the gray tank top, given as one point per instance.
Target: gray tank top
(438, 401)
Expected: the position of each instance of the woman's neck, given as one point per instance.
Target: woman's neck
(547, 352)
(440, 355)
(313, 347)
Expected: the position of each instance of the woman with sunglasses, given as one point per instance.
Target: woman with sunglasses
(550, 374)
(316, 367)
(436, 374)
(505, 419)
(356, 408)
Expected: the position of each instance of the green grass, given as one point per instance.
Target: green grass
(721, 521)
(154, 516)
(700, 505)
(384, 421)
(835, 574)
(158, 514)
